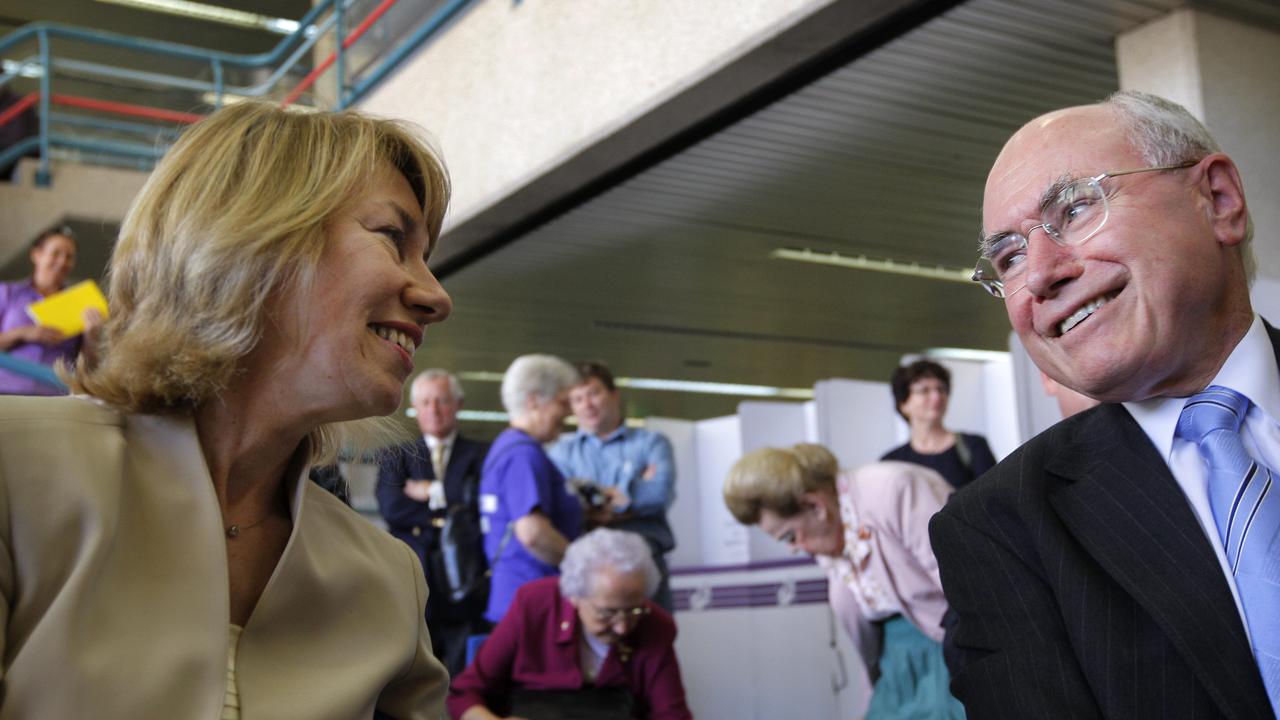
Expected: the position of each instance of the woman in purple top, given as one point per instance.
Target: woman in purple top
(53, 257)
(527, 512)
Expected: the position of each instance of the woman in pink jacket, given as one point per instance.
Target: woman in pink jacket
(870, 529)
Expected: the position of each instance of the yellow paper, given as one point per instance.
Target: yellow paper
(65, 310)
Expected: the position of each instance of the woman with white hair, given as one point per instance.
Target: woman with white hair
(526, 511)
(591, 642)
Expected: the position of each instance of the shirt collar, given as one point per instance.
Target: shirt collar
(447, 441)
(1250, 370)
(619, 432)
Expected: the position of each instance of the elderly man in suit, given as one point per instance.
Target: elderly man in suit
(1123, 564)
(418, 484)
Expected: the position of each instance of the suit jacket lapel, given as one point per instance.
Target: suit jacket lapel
(456, 473)
(1125, 508)
(420, 464)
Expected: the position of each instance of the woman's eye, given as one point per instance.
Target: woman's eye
(394, 234)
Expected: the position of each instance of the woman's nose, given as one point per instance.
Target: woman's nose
(427, 296)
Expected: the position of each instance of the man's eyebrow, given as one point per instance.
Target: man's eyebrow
(987, 243)
(1052, 192)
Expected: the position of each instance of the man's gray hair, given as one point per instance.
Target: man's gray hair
(426, 376)
(1167, 134)
(621, 551)
(542, 376)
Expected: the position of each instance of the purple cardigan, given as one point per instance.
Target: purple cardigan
(536, 647)
(14, 299)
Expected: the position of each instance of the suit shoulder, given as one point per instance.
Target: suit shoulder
(65, 410)
(1021, 477)
(660, 627)
(341, 527)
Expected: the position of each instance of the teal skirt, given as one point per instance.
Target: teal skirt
(913, 678)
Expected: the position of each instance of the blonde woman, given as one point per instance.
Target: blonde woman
(163, 553)
(870, 529)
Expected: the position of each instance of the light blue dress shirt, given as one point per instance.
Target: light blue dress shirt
(624, 459)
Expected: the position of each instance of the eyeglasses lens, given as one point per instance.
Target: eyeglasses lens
(1076, 214)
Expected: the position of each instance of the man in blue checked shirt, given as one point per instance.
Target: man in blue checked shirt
(633, 468)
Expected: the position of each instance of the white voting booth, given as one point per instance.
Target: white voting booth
(757, 639)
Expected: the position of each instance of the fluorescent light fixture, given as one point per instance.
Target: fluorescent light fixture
(212, 13)
(949, 353)
(497, 416)
(26, 69)
(716, 388)
(685, 386)
(862, 262)
(211, 98)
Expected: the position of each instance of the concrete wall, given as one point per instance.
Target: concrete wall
(513, 88)
(1223, 71)
(87, 192)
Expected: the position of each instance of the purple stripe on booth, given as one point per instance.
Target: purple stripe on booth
(805, 592)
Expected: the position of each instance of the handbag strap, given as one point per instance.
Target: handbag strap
(966, 455)
(506, 535)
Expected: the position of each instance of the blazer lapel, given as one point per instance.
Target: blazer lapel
(456, 473)
(1125, 508)
(420, 463)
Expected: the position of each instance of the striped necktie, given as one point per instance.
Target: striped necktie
(1246, 508)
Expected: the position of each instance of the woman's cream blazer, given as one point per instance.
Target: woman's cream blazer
(114, 593)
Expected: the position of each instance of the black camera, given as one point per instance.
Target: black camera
(592, 495)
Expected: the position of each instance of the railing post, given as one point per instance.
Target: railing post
(217, 83)
(43, 176)
(340, 30)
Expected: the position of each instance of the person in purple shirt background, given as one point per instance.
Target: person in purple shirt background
(53, 257)
(527, 512)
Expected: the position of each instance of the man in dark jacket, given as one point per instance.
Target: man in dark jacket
(419, 484)
(1122, 563)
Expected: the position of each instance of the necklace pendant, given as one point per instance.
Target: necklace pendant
(233, 531)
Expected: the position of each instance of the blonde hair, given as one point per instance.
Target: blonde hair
(235, 213)
(774, 479)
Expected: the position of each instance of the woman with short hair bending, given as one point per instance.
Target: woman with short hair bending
(163, 553)
(870, 529)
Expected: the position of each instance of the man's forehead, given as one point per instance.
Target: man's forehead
(1068, 142)
(435, 387)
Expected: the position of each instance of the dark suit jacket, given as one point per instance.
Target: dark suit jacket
(412, 522)
(1084, 586)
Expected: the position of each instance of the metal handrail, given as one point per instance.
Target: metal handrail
(35, 371)
(295, 46)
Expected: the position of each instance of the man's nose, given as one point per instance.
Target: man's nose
(1049, 264)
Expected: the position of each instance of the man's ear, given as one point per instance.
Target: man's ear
(1229, 214)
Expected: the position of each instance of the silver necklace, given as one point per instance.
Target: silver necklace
(235, 530)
